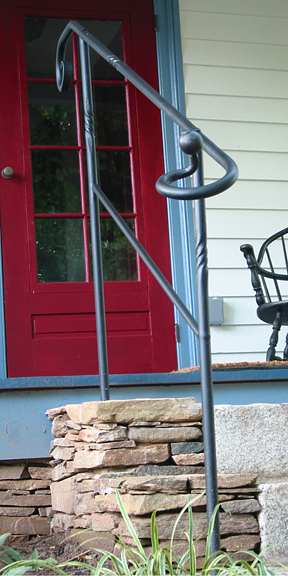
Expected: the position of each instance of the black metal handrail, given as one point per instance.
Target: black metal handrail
(64, 74)
(192, 142)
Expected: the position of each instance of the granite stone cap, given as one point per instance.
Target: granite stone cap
(132, 410)
(252, 438)
(273, 499)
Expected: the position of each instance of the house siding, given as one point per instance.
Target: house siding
(235, 57)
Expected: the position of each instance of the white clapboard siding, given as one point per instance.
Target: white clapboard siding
(247, 135)
(237, 108)
(237, 282)
(241, 311)
(276, 8)
(251, 195)
(235, 61)
(234, 54)
(240, 339)
(244, 224)
(236, 81)
(256, 165)
(225, 283)
(233, 27)
(251, 357)
(223, 254)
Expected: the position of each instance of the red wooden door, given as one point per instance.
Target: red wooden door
(48, 283)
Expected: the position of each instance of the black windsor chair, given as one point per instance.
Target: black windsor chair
(272, 305)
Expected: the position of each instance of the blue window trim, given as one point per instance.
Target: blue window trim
(180, 214)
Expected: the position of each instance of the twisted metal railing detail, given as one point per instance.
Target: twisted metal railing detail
(192, 142)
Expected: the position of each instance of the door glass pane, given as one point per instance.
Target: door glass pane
(56, 124)
(41, 37)
(56, 184)
(114, 176)
(110, 34)
(115, 179)
(60, 250)
(52, 116)
(111, 117)
(118, 256)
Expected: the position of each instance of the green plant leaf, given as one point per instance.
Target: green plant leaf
(16, 570)
(34, 555)
(124, 561)
(162, 562)
(179, 518)
(154, 533)
(13, 553)
(3, 538)
(130, 525)
(134, 562)
(7, 559)
(210, 530)
(100, 564)
(192, 553)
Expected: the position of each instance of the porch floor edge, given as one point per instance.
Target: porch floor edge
(225, 375)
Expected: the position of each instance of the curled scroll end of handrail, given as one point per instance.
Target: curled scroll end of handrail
(64, 75)
(191, 143)
(163, 184)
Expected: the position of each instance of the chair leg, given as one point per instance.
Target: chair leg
(285, 353)
(274, 338)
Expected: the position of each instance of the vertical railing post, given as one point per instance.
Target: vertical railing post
(94, 221)
(205, 359)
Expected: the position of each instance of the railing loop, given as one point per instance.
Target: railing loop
(163, 184)
(191, 142)
(63, 82)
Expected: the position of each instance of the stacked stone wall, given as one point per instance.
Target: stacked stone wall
(152, 452)
(25, 500)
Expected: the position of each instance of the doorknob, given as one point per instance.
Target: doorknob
(7, 172)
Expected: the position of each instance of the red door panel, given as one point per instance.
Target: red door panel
(48, 281)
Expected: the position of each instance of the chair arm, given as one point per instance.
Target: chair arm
(249, 254)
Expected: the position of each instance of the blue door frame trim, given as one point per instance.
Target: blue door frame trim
(180, 214)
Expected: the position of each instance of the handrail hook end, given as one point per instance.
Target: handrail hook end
(64, 75)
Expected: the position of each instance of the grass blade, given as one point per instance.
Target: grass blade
(154, 534)
(3, 538)
(130, 525)
(13, 554)
(192, 552)
(210, 530)
(179, 518)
